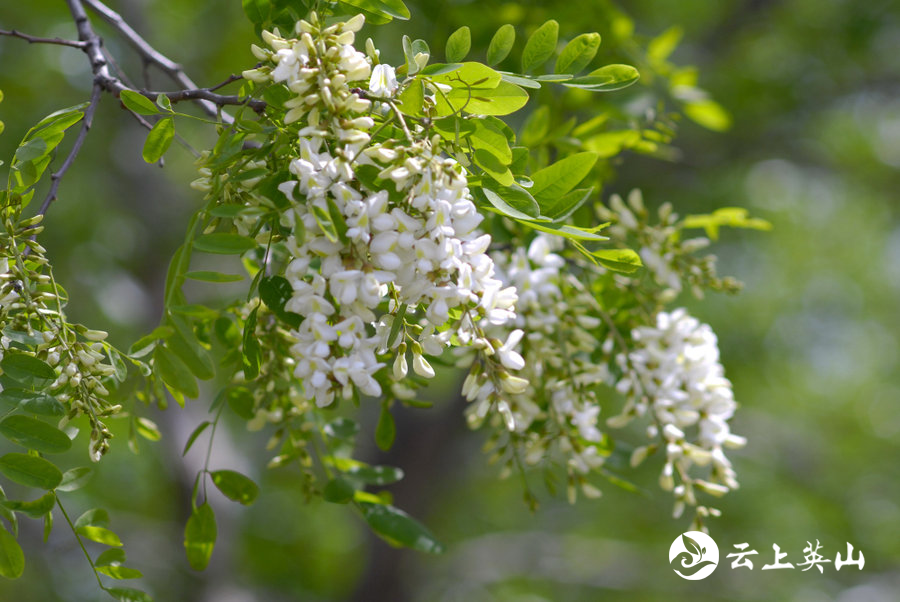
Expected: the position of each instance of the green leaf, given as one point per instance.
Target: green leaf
(75, 478)
(342, 429)
(578, 53)
(566, 205)
(398, 321)
(412, 99)
(540, 46)
(735, 217)
(488, 137)
(400, 529)
(28, 370)
(35, 508)
(147, 429)
(374, 475)
(138, 103)
(224, 243)
(501, 44)
(323, 219)
(338, 491)
(197, 431)
(96, 517)
(554, 181)
(471, 75)
(605, 79)
(159, 139)
(241, 402)
(100, 535)
(458, 44)
(12, 559)
(536, 126)
(185, 345)
(235, 486)
(127, 594)
(200, 536)
(709, 114)
(35, 434)
(110, 556)
(257, 11)
(30, 470)
(205, 276)
(33, 402)
(493, 167)
(566, 231)
(119, 572)
(174, 373)
(31, 150)
(513, 201)
(385, 431)
(503, 99)
(158, 333)
(609, 144)
(440, 68)
(164, 103)
(252, 353)
(662, 45)
(619, 260)
(275, 291)
(387, 8)
(48, 526)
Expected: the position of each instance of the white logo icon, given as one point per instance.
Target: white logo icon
(694, 555)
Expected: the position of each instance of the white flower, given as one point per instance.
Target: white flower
(383, 82)
(509, 357)
(421, 366)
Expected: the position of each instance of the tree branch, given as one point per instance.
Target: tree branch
(150, 54)
(38, 40)
(209, 95)
(86, 122)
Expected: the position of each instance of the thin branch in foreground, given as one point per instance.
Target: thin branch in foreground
(86, 122)
(207, 94)
(39, 40)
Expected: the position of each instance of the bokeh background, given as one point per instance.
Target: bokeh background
(811, 344)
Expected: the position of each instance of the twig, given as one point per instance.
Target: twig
(38, 40)
(79, 141)
(150, 54)
(207, 94)
(231, 78)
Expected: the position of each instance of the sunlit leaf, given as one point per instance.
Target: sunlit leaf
(200, 536)
(540, 46)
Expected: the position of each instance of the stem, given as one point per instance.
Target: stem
(87, 121)
(148, 53)
(212, 436)
(81, 544)
(38, 40)
(396, 110)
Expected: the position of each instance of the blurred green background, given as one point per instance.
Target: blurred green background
(811, 345)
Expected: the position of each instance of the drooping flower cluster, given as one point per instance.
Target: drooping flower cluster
(31, 316)
(560, 408)
(378, 226)
(669, 257)
(673, 375)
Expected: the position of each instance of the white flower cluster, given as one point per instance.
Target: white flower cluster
(81, 362)
(656, 250)
(674, 374)
(368, 248)
(556, 313)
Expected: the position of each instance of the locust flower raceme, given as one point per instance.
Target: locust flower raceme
(412, 243)
(673, 375)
